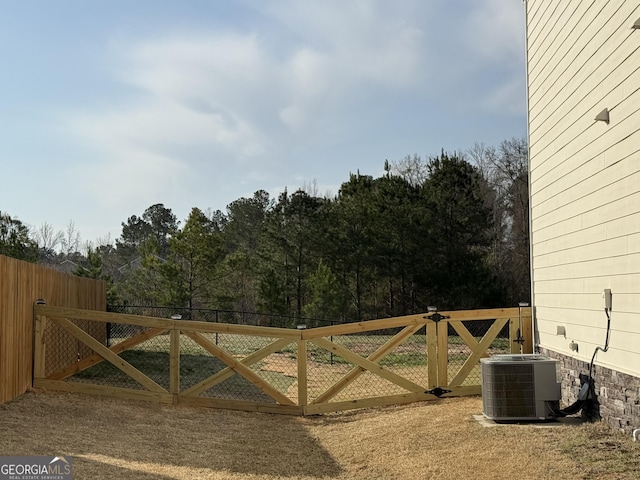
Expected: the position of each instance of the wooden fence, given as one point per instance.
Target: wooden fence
(21, 284)
(305, 371)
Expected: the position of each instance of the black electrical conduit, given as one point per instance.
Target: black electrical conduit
(586, 387)
(606, 344)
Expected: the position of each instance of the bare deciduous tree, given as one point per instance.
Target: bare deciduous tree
(47, 238)
(506, 170)
(412, 169)
(70, 241)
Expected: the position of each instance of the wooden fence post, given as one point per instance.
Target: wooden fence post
(432, 355)
(302, 373)
(443, 353)
(174, 363)
(527, 330)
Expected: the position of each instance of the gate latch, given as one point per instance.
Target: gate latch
(519, 339)
(438, 392)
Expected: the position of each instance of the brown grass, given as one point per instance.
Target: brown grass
(110, 438)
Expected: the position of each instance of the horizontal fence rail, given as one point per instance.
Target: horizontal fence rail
(270, 369)
(223, 316)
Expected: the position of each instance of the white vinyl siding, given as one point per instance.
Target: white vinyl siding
(582, 57)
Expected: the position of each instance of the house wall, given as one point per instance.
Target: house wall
(617, 394)
(583, 57)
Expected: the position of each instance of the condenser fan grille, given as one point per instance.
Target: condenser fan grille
(509, 391)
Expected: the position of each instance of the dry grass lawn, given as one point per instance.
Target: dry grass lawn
(110, 438)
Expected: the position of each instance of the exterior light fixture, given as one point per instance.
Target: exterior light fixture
(636, 24)
(603, 116)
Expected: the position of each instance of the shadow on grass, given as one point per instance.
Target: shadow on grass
(95, 468)
(113, 438)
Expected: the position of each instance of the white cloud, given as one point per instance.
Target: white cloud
(162, 124)
(236, 106)
(135, 180)
(330, 52)
(216, 67)
(245, 96)
(347, 51)
(494, 30)
(208, 84)
(480, 57)
(506, 97)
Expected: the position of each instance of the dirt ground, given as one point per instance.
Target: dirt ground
(109, 438)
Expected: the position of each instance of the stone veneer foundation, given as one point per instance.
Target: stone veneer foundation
(617, 393)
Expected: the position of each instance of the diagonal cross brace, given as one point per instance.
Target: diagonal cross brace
(477, 348)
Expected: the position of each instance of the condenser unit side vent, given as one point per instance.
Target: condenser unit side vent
(520, 387)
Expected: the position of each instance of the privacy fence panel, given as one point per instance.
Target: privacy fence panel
(21, 284)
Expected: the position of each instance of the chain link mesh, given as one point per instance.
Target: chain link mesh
(151, 357)
(278, 369)
(331, 374)
(325, 368)
(63, 349)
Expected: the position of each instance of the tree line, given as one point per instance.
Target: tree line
(449, 231)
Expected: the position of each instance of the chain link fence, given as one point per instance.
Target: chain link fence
(407, 360)
(278, 369)
(270, 361)
(63, 349)
(151, 357)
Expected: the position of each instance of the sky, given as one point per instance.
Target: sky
(109, 107)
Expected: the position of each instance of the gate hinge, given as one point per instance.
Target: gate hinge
(438, 392)
(436, 317)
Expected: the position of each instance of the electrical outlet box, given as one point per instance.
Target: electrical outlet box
(607, 298)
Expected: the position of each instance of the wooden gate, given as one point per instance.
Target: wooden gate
(309, 371)
(509, 331)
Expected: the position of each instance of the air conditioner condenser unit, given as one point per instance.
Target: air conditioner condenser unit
(520, 387)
